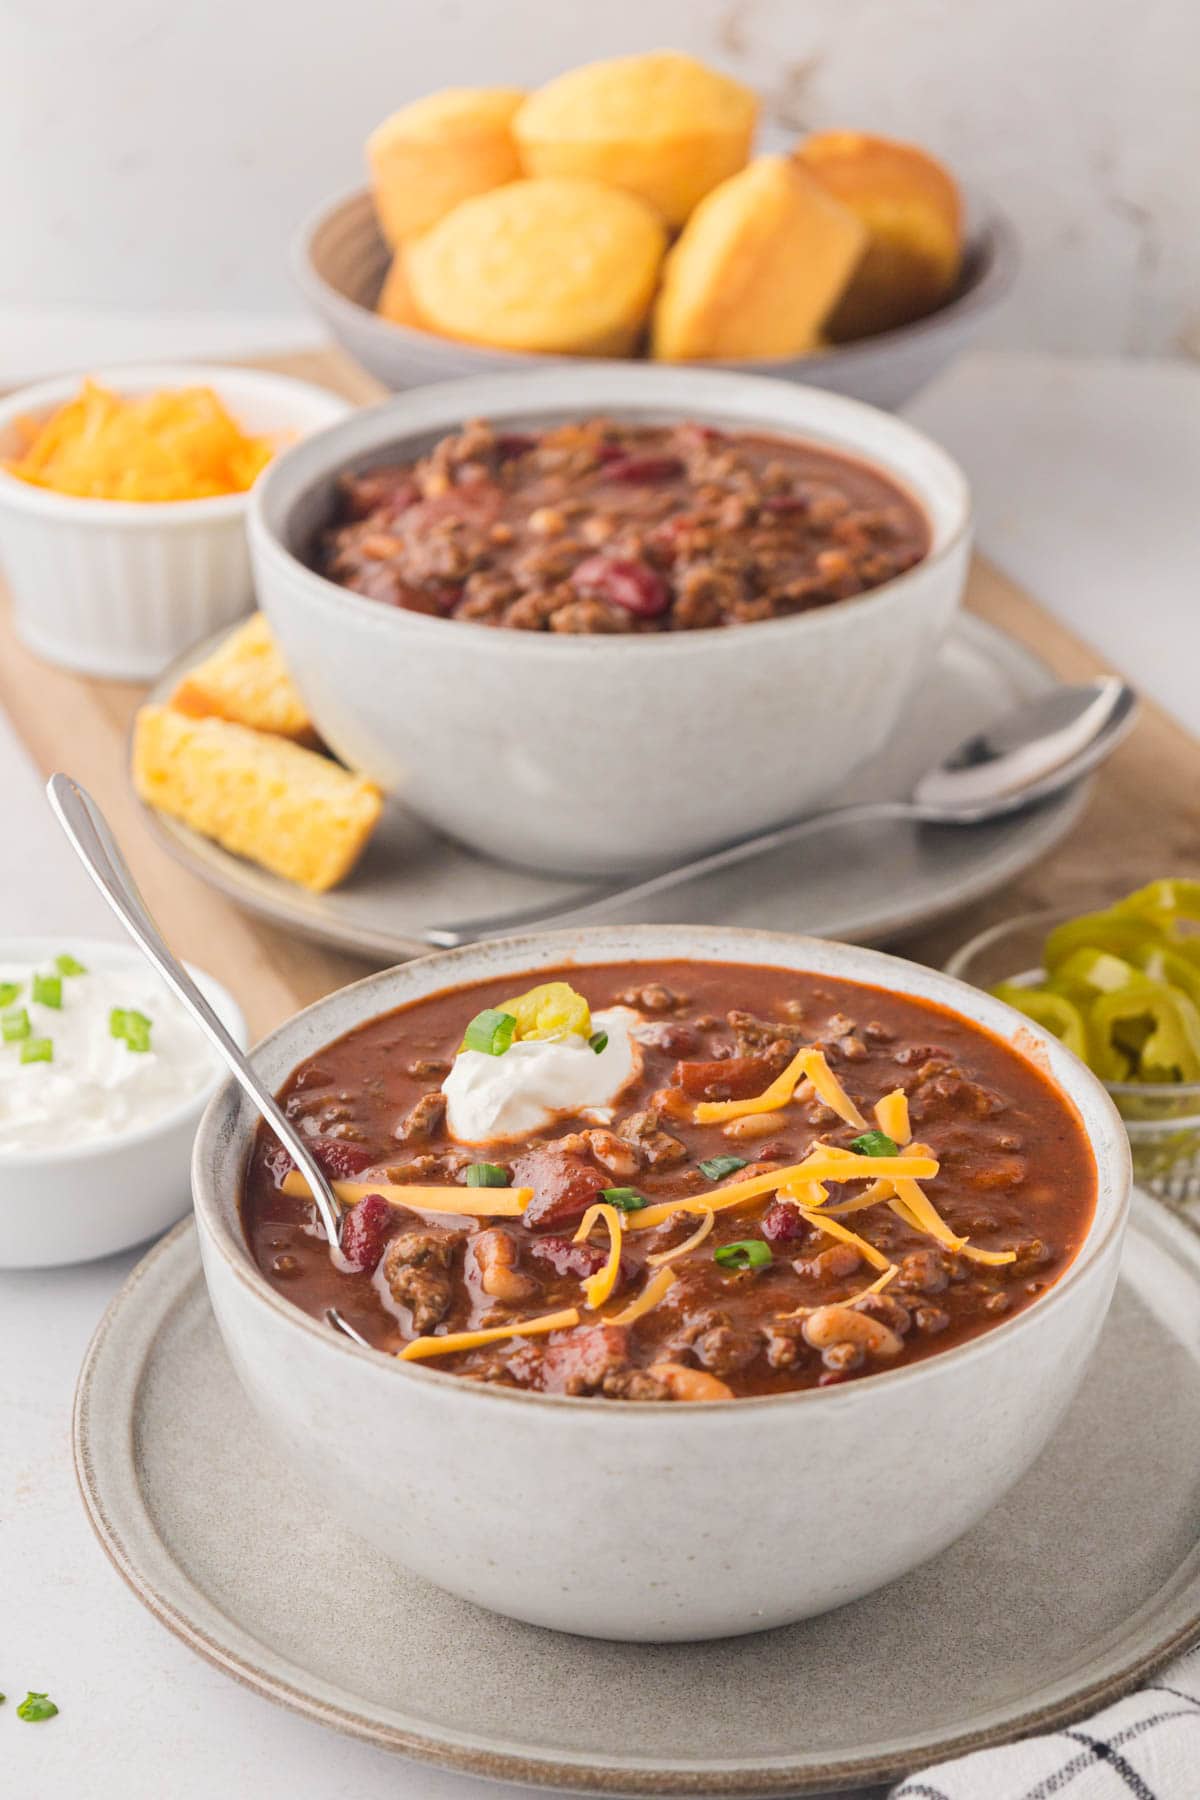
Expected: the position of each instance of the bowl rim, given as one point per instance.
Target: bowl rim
(990, 232)
(191, 1106)
(1020, 1034)
(662, 387)
(227, 379)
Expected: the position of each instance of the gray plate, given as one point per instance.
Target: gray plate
(1076, 1586)
(866, 884)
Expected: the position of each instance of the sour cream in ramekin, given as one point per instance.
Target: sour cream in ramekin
(535, 1081)
(83, 1082)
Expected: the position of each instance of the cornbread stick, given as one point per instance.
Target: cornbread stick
(246, 681)
(294, 812)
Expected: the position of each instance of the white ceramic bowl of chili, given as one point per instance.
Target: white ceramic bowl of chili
(636, 1520)
(119, 588)
(592, 755)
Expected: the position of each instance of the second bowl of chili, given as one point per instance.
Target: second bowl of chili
(626, 616)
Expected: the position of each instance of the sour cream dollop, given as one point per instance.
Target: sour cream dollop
(95, 1086)
(537, 1080)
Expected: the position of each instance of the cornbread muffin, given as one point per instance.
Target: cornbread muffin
(553, 265)
(428, 156)
(395, 300)
(294, 812)
(912, 210)
(246, 681)
(757, 268)
(662, 126)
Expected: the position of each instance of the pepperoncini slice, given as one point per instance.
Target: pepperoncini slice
(1054, 1011)
(553, 1010)
(1117, 933)
(1156, 1023)
(1164, 902)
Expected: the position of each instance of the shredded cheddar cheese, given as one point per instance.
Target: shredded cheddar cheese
(807, 1064)
(475, 1202)
(823, 1163)
(877, 1194)
(655, 1289)
(659, 1257)
(178, 444)
(598, 1287)
(836, 1229)
(913, 1205)
(876, 1287)
(891, 1116)
(423, 1347)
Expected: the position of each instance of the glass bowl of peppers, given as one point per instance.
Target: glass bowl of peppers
(1120, 986)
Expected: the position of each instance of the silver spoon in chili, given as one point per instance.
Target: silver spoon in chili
(1042, 747)
(93, 843)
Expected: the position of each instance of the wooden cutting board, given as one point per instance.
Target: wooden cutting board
(1143, 819)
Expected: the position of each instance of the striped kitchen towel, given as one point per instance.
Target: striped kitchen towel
(1145, 1747)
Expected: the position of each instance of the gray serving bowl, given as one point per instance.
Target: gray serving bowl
(340, 260)
(631, 1519)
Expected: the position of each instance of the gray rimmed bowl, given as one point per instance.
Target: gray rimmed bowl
(597, 755)
(633, 1520)
(339, 261)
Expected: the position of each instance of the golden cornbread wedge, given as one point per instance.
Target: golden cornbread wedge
(246, 681)
(662, 126)
(395, 300)
(757, 267)
(428, 156)
(297, 813)
(912, 210)
(550, 265)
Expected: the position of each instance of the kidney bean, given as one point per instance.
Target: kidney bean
(623, 581)
(638, 469)
(729, 1078)
(341, 1159)
(514, 443)
(366, 1229)
(782, 1222)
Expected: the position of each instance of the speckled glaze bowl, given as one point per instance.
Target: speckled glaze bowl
(592, 755)
(634, 1520)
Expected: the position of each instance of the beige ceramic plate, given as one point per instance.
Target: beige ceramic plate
(1079, 1584)
(865, 885)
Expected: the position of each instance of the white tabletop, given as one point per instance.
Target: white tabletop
(1086, 475)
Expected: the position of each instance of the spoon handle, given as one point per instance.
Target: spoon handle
(92, 841)
(474, 931)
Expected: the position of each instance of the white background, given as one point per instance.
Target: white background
(159, 157)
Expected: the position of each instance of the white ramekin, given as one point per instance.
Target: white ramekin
(594, 755)
(625, 1519)
(119, 587)
(75, 1202)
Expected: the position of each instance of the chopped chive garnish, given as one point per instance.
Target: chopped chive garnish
(490, 1031)
(487, 1175)
(37, 1050)
(131, 1025)
(750, 1253)
(599, 1041)
(15, 1025)
(875, 1143)
(716, 1166)
(47, 990)
(8, 992)
(35, 1707)
(624, 1199)
(116, 1022)
(67, 965)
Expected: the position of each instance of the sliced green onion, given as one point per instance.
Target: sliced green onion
(15, 1025)
(875, 1143)
(37, 1050)
(490, 1031)
(716, 1166)
(67, 965)
(36, 1707)
(750, 1253)
(8, 992)
(487, 1175)
(599, 1041)
(47, 990)
(116, 1022)
(624, 1199)
(137, 1031)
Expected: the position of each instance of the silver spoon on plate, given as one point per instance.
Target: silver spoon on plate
(1034, 752)
(93, 843)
